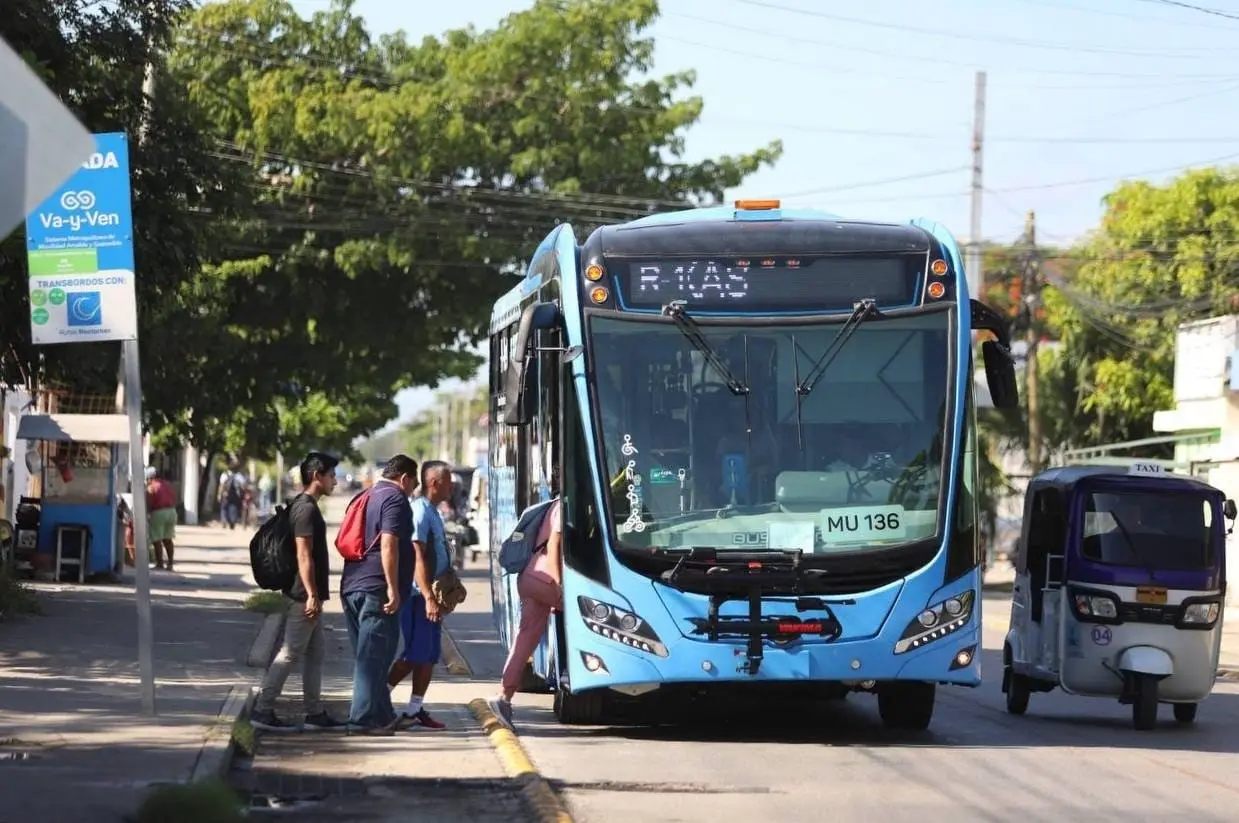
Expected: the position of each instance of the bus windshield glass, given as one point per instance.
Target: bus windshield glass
(852, 464)
(1159, 531)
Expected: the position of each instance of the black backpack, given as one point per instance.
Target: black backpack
(273, 553)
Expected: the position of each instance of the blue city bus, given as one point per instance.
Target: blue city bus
(761, 423)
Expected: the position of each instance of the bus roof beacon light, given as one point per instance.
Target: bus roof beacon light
(938, 268)
(758, 210)
(599, 295)
(936, 290)
(593, 272)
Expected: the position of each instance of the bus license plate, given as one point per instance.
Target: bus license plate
(1151, 594)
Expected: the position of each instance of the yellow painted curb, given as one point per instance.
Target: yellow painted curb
(453, 660)
(546, 805)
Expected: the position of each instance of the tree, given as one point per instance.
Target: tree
(395, 184)
(92, 55)
(1163, 255)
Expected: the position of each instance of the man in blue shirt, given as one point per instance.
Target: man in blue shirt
(372, 590)
(420, 615)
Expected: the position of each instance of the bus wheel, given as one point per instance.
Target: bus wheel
(906, 705)
(1144, 707)
(1185, 712)
(532, 682)
(580, 709)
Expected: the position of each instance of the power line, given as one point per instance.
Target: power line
(1191, 7)
(936, 60)
(1191, 54)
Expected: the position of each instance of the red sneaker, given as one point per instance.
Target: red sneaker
(423, 720)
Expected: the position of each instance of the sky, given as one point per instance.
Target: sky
(874, 102)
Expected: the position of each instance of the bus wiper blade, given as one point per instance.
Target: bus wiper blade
(689, 328)
(863, 310)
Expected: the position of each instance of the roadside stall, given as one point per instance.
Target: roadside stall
(80, 473)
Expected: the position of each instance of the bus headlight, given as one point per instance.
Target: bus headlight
(621, 626)
(936, 622)
(1199, 614)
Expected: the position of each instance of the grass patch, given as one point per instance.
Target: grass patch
(16, 598)
(265, 602)
(243, 737)
(211, 801)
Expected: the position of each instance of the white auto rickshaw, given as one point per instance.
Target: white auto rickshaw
(1120, 589)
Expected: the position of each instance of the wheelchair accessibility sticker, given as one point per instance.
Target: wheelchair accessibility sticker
(1101, 635)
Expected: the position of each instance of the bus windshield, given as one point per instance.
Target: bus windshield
(697, 458)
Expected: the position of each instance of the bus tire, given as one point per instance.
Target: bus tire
(1185, 712)
(532, 682)
(580, 709)
(907, 705)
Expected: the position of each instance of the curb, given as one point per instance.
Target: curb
(264, 645)
(215, 758)
(453, 660)
(547, 807)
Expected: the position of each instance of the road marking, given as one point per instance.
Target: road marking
(546, 805)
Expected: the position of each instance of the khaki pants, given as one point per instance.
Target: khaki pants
(303, 644)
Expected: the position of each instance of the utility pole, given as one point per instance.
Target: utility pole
(974, 277)
(1030, 292)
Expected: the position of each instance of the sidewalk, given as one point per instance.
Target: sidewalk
(441, 776)
(78, 747)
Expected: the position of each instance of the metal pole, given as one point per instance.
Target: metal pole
(133, 408)
(973, 276)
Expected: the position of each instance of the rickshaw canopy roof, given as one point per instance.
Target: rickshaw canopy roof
(1067, 478)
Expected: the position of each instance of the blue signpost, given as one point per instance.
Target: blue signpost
(79, 245)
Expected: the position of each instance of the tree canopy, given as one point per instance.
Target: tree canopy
(325, 216)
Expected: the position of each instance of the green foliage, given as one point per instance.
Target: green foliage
(16, 598)
(265, 602)
(1163, 255)
(211, 801)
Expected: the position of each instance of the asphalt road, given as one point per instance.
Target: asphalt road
(1068, 759)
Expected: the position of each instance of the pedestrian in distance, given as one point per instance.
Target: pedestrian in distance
(540, 587)
(373, 586)
(304, 640)
(420, 617)
(161, 516)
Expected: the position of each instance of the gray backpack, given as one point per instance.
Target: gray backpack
(515, 552)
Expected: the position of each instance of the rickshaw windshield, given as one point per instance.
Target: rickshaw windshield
(1158, 531)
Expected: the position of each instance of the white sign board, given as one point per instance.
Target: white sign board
(41, 142)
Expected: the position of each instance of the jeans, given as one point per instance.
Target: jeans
(303, 644)
(375, 638)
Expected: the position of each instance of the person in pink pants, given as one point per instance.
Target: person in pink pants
(540, 587)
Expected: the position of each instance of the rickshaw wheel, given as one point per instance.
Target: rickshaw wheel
(1018, 693)
(1185, 712)
(1144, 707)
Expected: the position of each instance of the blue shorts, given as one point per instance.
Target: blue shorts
(422, 638)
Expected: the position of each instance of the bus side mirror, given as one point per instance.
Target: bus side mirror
(1229, 510)
(517, 385)
(1000, 375)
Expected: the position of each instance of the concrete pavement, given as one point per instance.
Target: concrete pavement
(445, 776)
(73, 743)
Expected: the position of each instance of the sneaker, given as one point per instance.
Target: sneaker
(421, 720)
(268, 722)
(503, 710)
(322, 722)
(372, 731)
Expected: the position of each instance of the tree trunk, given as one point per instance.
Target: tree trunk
(204, 479)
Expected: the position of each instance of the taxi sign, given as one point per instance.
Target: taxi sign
(1146, 469)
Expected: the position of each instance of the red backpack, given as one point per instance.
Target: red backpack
(351, 539)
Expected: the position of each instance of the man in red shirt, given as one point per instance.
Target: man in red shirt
(161, 509)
